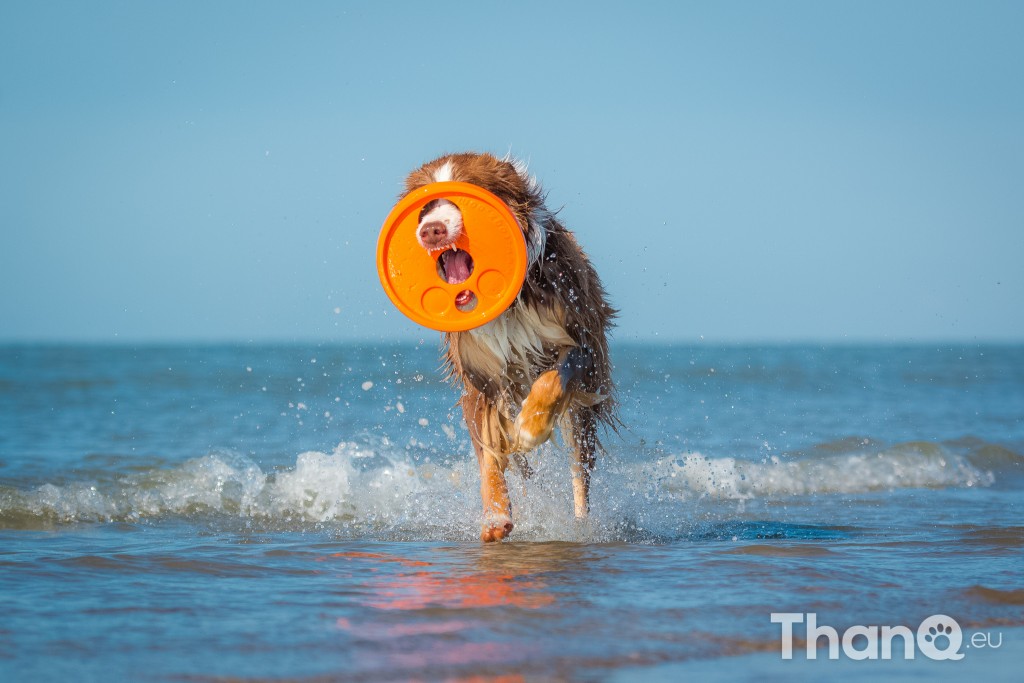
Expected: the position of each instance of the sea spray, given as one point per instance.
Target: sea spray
(380, 490)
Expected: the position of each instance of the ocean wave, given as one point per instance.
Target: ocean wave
(911, 465)
(382, 491)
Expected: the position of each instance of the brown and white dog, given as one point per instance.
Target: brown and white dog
(545, 359)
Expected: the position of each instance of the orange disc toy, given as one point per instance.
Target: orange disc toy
(458, 271)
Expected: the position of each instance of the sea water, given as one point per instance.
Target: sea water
(255, 512)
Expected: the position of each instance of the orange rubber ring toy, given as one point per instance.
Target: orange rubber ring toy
(410, 274)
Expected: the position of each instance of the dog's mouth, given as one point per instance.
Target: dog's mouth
(454, 265)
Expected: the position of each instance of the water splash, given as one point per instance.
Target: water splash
(381, 491)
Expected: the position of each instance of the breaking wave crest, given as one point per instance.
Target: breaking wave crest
(382, 492)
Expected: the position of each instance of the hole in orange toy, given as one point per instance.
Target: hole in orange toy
(465, 301)
(454, 267)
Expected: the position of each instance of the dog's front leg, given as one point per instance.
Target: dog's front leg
(488, 430)
(497, 522)
(549, 398)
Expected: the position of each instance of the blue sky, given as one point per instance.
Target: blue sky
(738, 171)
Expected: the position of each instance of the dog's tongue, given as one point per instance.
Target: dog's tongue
(456, 266)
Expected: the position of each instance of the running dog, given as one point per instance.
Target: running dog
(542, 362)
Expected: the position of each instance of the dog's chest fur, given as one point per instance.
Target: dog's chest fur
(505, 356)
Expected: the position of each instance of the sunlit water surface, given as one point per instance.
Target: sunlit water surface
(311, 513)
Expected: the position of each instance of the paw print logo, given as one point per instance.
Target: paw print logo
(938, 631)
(940, 637)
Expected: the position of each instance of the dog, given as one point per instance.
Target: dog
(542, 362)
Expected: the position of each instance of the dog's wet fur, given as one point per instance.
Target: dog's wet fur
(544, 361)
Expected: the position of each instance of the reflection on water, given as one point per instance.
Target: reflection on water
(425, 585)
(449, 612)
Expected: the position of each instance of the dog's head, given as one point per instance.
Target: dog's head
(440, 221)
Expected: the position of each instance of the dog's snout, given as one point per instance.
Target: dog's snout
(440, 224)
(433, 232)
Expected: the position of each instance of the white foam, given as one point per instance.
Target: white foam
(694, 475)
(381, 490)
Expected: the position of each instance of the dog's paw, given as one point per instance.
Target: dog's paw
(495, 529)
(536, 420)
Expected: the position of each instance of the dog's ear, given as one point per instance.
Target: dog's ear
(536, 240)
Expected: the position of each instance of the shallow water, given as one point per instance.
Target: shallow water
(254, 512)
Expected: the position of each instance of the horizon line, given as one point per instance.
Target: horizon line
(384, 340)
